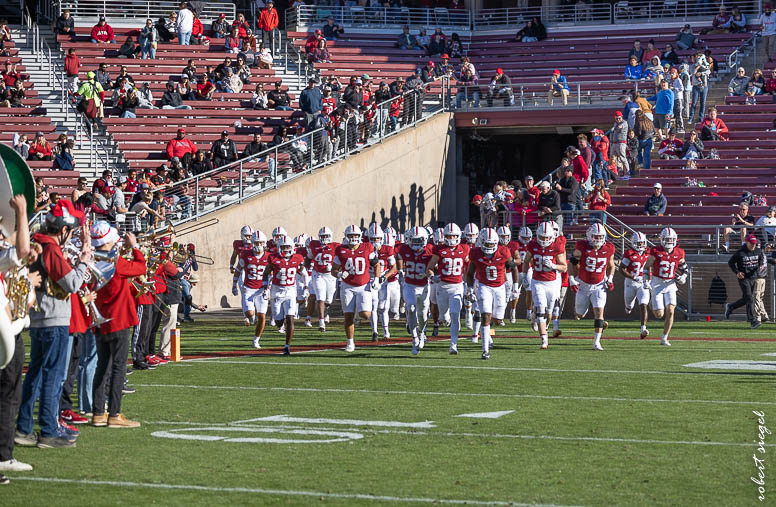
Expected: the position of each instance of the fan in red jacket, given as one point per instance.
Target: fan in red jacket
(102, 32)
(312, 42)
(268, 23)
(180, 146)
(715, 125)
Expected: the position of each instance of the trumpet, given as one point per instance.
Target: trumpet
(91, 309)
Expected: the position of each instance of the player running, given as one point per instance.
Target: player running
(523, 238)
(563, 285)
(413, 259)
(250, 270)
(545, 256)
(389, 295)
(449, 259)
(352, 260)
(470, 234)
(386, 263)
(239, 245)
(637, 287)
(284, 267)
(302, 281)
(667, 265)
(595, 268)
(320, 254)
(489, 262)
(438, 239)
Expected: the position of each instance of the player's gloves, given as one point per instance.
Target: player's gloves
(328, 268)
(573, 284)
(681, 279)
(234, 290)
(515, 292)
(375, 284)
(638, 279)
(521, 279)
(549, 264)
(646, 284)
(609, 284)
(231, 269)
(435, 279)
(265, 294)
(470, 295)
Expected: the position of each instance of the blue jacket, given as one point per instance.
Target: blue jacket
(626, 111)
(664, 102)
(311, 100)
(633, 72)
(561, 84)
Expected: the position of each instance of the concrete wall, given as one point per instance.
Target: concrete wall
(400, 182)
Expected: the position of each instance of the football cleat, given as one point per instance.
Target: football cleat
(247, 321)
(453, 350)
(286, 350)
(628, 310)
(435, 332)
(557, 333)
(415, 348)
(386, 335)
(644, 334)
(486, 355)
(422, 341)
(322, 329)
(351, 346)
(307, 322)
(534, 325)
(375, 337)
(256, 343)
(475, 338)
(597, 346)
(545, 344)
(665, 343)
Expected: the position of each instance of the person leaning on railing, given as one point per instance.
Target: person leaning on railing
(501, 86)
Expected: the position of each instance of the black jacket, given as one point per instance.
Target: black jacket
(253, 148)
(569, 189)
(172, 98)
(751, 264)
(224, 150)
(549, 200)
(63, 23)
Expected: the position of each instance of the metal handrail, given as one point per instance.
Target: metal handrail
(628, 11)
(91, 9)
(366, 16)
(551, 15)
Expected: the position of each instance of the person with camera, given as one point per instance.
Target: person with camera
(748, 263)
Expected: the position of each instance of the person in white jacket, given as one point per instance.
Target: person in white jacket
(185, 24)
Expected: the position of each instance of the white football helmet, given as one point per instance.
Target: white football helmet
(246, 233)
(639, 242)
(352, 235)
(470, 233)
(504, 234)
(277, 232)
(668, 238)
(489, 241)
(439, 236)
(429, 233)
(417, 237)
(285, 246)
(399, 238)
(556, 229)
(375, 234)
(545, 234)
(452, 234)
(525, 236)
(596, 235)
(389, 239)
(324, 235)
(259, 241)
(301, 240)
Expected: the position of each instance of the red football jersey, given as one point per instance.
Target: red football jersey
(665, 263)
(634, 262)
(452, 262)
(321, 255)
(514, 246)
(387, 258)
(284, 270)
(538, 254)
(564, 278)
(253, 265)
(490, 271)
(592, 263)
(415, 264)
(355, 263)
(239, 246)
(561, 241)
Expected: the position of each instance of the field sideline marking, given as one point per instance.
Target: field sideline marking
(442, 393)
(219, 360)
(277, 492)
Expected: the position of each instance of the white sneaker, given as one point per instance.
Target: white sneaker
(415, 348)
(308, 323)
(545, 344)
(475, 338)
(256, 343)
(534, 326)
(351, 346)
(386, 334)
(597, 346)
(13, 465)
(422, 341)
(665, 343)
(454, 350)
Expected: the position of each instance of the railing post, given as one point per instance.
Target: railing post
(579, 94)
(275, 172)
(240, 191)
(196, 196)
(522, 96)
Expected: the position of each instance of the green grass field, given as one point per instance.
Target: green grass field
(628, 426)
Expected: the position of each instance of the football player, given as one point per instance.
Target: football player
(667, 265)
(489, 262)
(320, 255)
(251, 268)
(413, 259)
(545, 256)
(238, 245)
(595, 267)
(389, 295)
(386, 263)
(302, 291)
(505, 238)
(637, 287)
(277, 233)
(352, 260)
(563, 285)
(284, 267)
(449, 259)
(524, 237)
(439, 239)
(470, 233)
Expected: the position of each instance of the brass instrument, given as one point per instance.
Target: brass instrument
(19, 290)
(91, 309)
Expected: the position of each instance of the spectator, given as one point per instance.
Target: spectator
(4, 95)
(105, 180)
(721, 22)
(599, 143)
(255, 147)
(310, 102)
(423, 39)
(633, 70)
(529, 33)
(501, 86)
(454, 46)
(644, 131)
(198, 36)
(633, 152)
(145, 98)
(737, 21)
(437, 46)
(185, 89)
(618, 136)
(102, 76)
(65, 24)
(223, 151)
(406, 40)
(685, 39)
(167, 27)
(664, 106)
(533, 191)
(581, 173)
(93, 90)
(677, 87)
(428, 74)
(636, 51)
(201, 163)
(148, 40)
(669, 56)
(220, 27)
(684, 75)
(657, 202)
(264, 57)
(467, 84)
(220, 72)
(102, 32)
(445, 68)
(713, 128)
(738, 84)
(548, 204)
(72, 67)
(17, 95)
(184, 24)
(123, 74)
(629, 110)
(586, 152)
(278, 99)
(671, 147)
(354, 94)
(181, 149)
(132, 183)
(128, 104)
(741, 220)
(40, 149)
(172, 99)
(320, 54)
(128, 49)
(331, 30)
(700, 89)
(259, 98)
(190, 70)
(713, 65)
(598, 200)
(650, 52)
(21, 145)
(653, 71)
(756, 85)
(568, 188)
(233, 42)
(80, 189)
(766, 226)
(767, 23)
(770, 83)
(10, 74)
(268, 23)
(643, 105)
(558, 88)
(693, 148)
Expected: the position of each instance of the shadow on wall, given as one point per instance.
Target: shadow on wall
(407, 212)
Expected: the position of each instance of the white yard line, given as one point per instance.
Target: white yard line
(440, 393)
(276, 492)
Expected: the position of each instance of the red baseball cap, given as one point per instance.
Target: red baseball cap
(222, 15)
(181, 130)
(556, 71)
(318, 32)
(751, 239)
(477, 198)
(445, 56)
(430, 63)
(618, 113)
(499, 71)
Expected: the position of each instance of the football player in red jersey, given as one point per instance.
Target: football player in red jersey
(387, 263)
(545, 256)
(438, 238)
(389, 295)
(637, 287)
(413, 258)
(302, 280)
(595, 268)
(252, 264)
(277, 233)
(470, 234)
(449, 260)
(284, 266)
(505, 238)
(489, 262)
(244, 243)
(667, 265)
(353, 259)
(563, 285)
(523, 238)
(320, 255)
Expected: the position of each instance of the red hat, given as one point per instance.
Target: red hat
(169, 269)
(618, 113)
(476, 199)
(445, 56)
(556, 71)
(64, 213)
(318, 32)
(499, 71)
(713, 194)
(431, 64)
(221, 16)
(751, 239)
(181, 130)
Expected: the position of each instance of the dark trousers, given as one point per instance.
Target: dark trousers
(747, 289)
(65, 403)
(10, 397)
(112, 350)
(140, 334)
(149, 346)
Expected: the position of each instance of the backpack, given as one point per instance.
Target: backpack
(717, 291)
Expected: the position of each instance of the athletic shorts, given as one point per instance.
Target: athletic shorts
(324, 286)
(590, 295)
(432, 292)
(663, 293)
(283, 300)
(253, 300)
(492, 300)
(355, 299)
(544, 293)
(635, 293)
